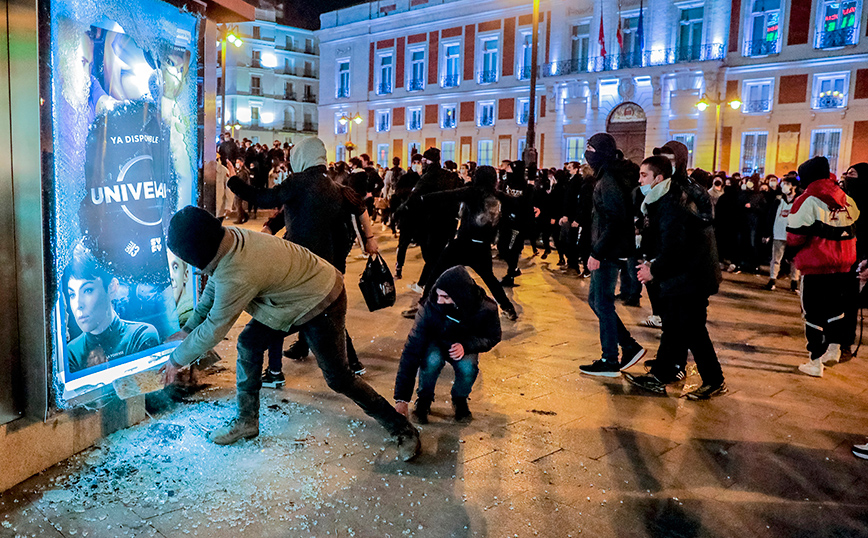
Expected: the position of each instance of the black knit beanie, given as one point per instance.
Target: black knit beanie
(194, 236)
(432, 154)
(812, 170)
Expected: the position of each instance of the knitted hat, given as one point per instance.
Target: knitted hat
(194, 236)
(812, 170)
(432, 154)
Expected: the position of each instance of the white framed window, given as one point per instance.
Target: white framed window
(414, 119)
(383, 155)
(384, 120)
(343, 82)
(256, 58)
(525, 57)
(341, 127)
(826, 143)
(762, 28)
(416, 72)
(688, 139)
(757, 96)
(485, 153)
(690, 34)
(451, 66)
(830, 90)
(574, 149)
(413, 147)
(631, 52)
(448, 116)
(753, 152)
(837, 23)
(254, 116)
(485, 113)
(447, 151)
(385, 73)
(488, 59)
(522, 111)
(580, 46)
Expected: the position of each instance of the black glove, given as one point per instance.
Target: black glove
(236, 185)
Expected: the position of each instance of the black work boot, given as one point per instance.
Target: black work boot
(462, 412)
(244, 426)
(421, 410)
(297, 351)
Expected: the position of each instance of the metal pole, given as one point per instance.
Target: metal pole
(530, 155)
(223, 84)
(714, 166)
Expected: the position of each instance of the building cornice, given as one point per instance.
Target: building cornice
(795, 64)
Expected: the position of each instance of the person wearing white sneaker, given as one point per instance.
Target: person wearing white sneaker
(861, 451)
(821, 228)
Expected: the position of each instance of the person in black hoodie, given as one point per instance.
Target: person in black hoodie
(612, 243)
(517, 220)
(402, 219)
(856, 187)
(480, 213)
(687, 270)
(456, 327)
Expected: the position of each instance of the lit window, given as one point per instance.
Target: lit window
(580, 51)
(523, 111)
(383, 155)
(526, 57)
(830, 90)
(631, 52)
(343, 79)
(757, 96)
(488, 73)
(447, 151)
(522, 143)
(575, 149)
(385, 86)
(451, 65)
(254, 115)
(837, 24)
(486, 114)
(485, 153)
(763, 28)
(447, 116)
(417, 70)
(687, 139)
(690, 35)
(753, 153)
(384, 121)
(414, 119)
(826, 143)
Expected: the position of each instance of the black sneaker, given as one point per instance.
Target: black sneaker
(510, 314)
(602, 368)
(462, 412)
(508, 282)
(794, 285)
(680, 373)
(646, 382)
(398, 270)
(631, 301)
(770, 286)
(410, 313)
(631, 355)
(861, 451)
(358, 369)
(273, 381)
(297, 351)
(707, 392)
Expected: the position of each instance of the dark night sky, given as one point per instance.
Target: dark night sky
(305, 13)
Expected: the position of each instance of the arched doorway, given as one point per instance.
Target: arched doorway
(627, 124)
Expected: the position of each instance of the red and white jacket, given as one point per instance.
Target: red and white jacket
(822, 225)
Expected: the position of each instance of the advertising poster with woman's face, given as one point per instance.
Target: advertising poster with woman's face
(125, 147)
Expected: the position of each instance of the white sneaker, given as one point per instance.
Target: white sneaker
(652, 321)
(832, 355)
(861, 451)
(415, 287)
(812, 368)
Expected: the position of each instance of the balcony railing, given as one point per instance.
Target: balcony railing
(384, 88)
(524, 73)
(486, 121)
(415, 85)
(308, 126)
(307, 73)
(255, 91)
(836, 38)
(309, 98)
(761, 47)
(757, 106)
(289, 96)
(414, 125)
(343, 93)
(833, 100)
(449, 81)
(522, 118)
(612, 62)
(487, 77)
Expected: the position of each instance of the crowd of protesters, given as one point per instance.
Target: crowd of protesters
(656, 227)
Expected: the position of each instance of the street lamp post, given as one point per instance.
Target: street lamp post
(530, 155)
(702, 105)
(227, 34)
(349, 121)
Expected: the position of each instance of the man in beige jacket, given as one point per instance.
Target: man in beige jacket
(285, 288)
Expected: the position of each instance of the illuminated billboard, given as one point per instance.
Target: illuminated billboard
(125, 155)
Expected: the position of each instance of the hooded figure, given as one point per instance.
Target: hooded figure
(457, 324)
(857, 189)
(517, 221)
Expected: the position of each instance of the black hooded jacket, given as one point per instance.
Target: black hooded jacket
(612, 231)
(517, 198)
(472, 322)
(857, 189)
(433, 218)
(480, 208)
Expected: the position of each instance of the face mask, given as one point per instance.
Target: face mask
(750, 184)
(418, 168)
(743, 186)
(717, 185)
(644, 189)
(593, 159)
(773, 184)
(786, 189)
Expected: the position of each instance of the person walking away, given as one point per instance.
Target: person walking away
(405, 221)
(821, 228)
(456, 326)
(687, 271)
(776, 233)
(295, 291)
(517, 210)
(612, 244)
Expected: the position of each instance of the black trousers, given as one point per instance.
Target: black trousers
(433, 244)
(477, 256)
(326, 336)
(824, 304)
(684, 318)
(275, 353)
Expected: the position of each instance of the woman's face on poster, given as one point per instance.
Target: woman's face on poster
(90, 303)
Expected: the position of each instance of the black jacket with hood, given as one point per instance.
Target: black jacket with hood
(612, 231)
(480, 208)
(472, 321)
(857, 189)
(517, 198)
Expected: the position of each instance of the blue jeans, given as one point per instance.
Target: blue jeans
(601, 299)
(466, 370)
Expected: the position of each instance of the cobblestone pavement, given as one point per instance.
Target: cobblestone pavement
(549, 452)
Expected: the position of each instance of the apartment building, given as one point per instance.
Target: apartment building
(272, 81)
